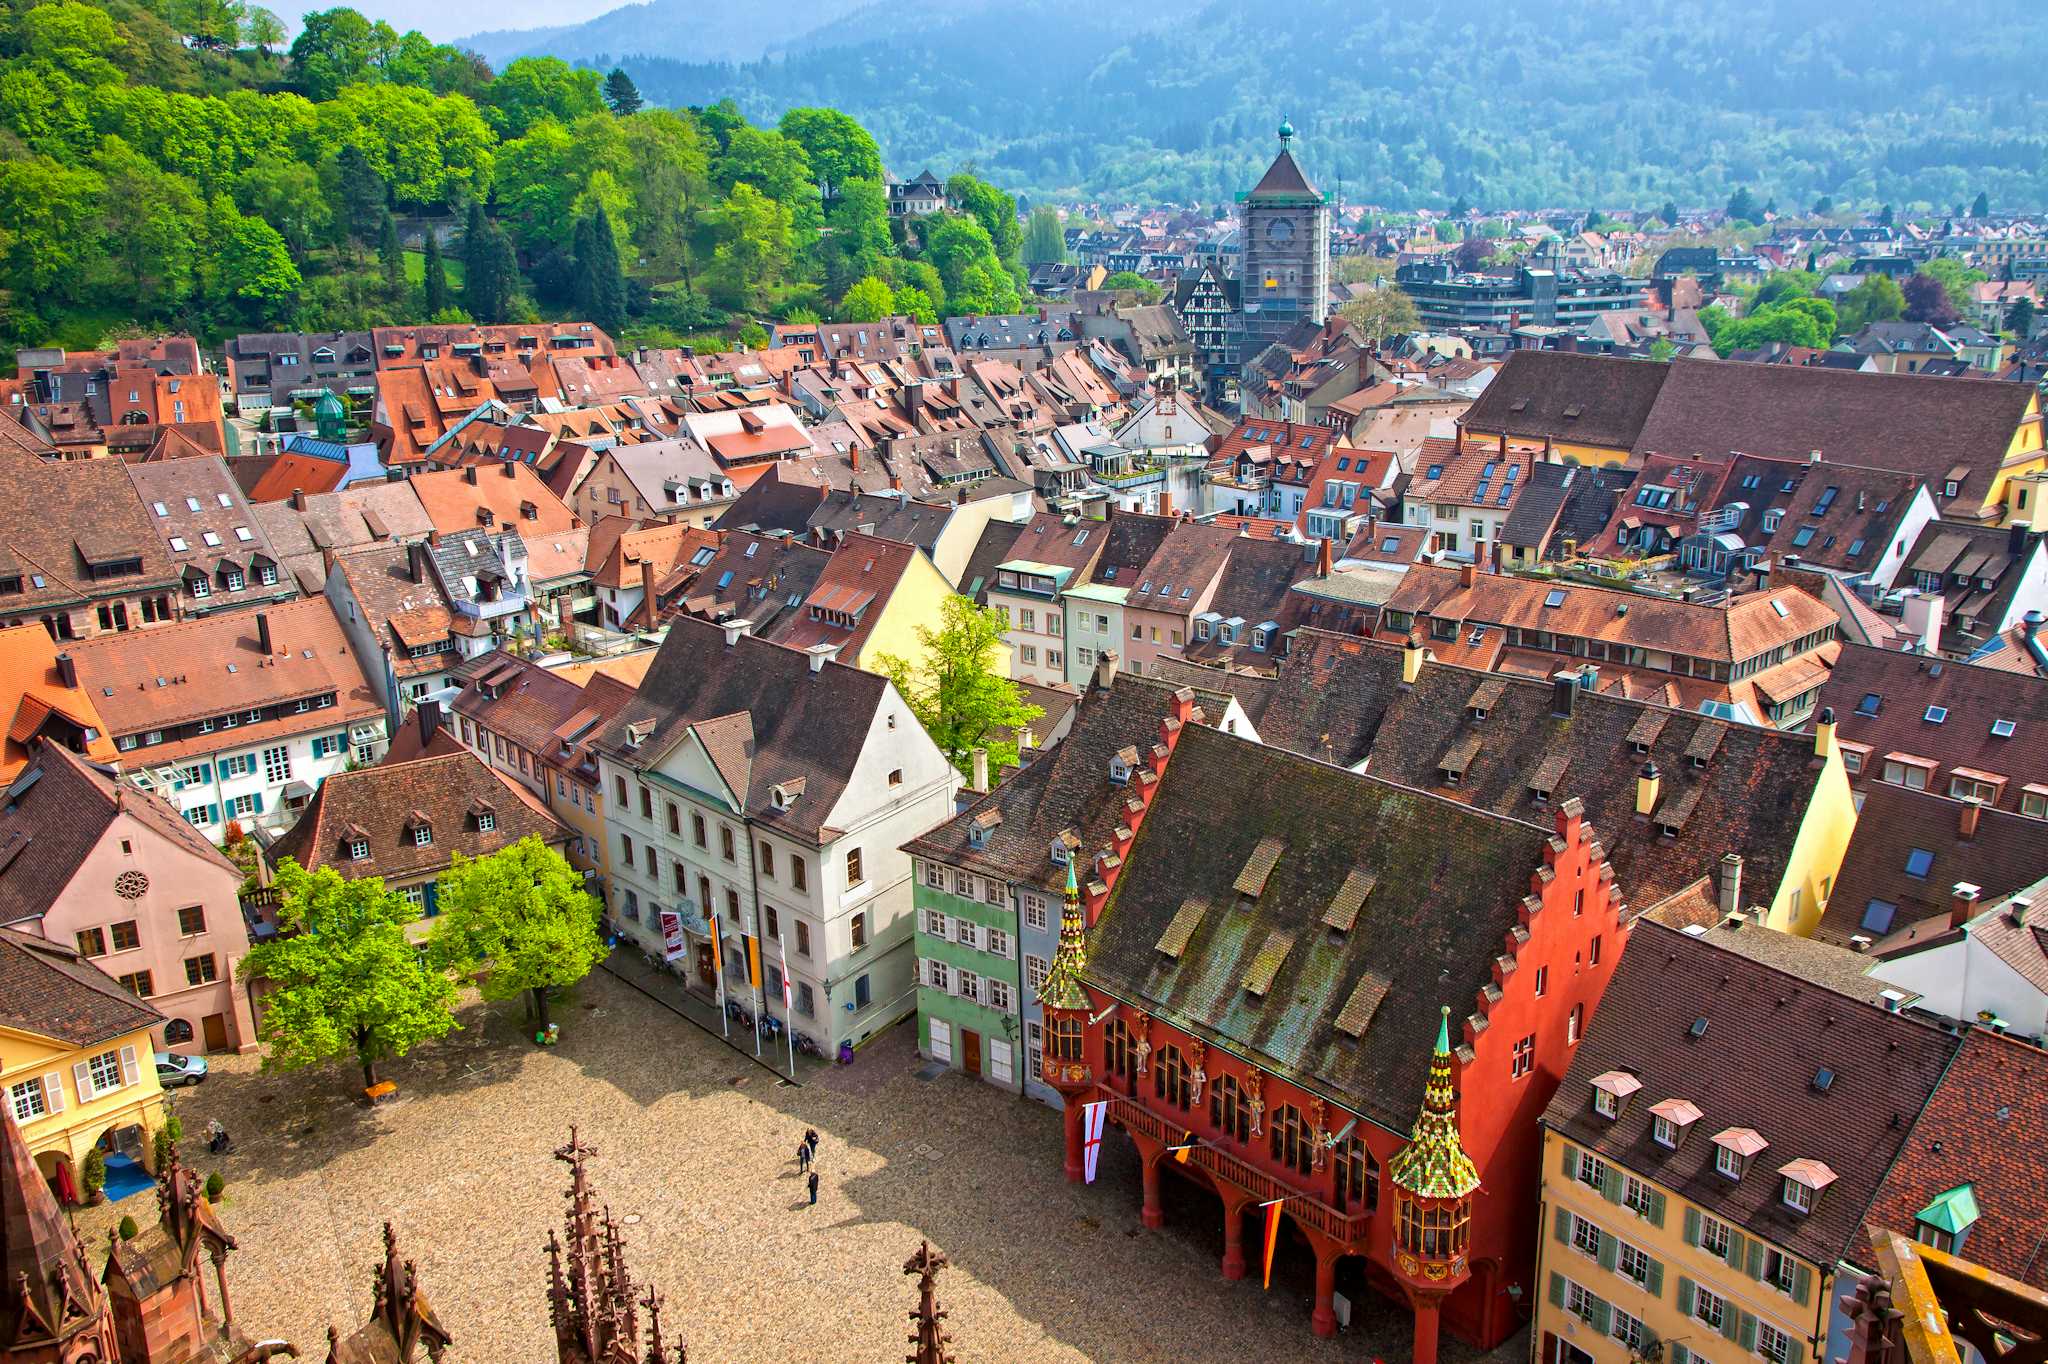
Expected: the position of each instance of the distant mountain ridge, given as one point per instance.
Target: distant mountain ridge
(1523, 103)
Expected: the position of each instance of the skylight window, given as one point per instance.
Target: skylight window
(1918, 863)
(1878, 916)
(2002, 729)
(1554, 597)
(1869, 704)
(1936, 714)
(1779, 607)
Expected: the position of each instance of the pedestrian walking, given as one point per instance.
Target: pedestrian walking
(814, 1188)
(803, 1156)
(811, 1140)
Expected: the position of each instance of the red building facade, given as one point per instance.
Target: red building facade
(1253, 971)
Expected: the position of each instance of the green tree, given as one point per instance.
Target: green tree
(837, 148)
(345, 980)
(1669, 213)
(247, 267)
(434, 278)
(621, 96)
(1662, 349)
(334, 48)
(1381, 312)
(859, 242)
(601, 284)
(262, 29)
(1363, 269)
(535, 88)
(1742, 206)
(1982, 207)
(391, 255)
(869, 300)
(1884, 216)
(1958, 280)
(1130, 281)
(522, 919)
(1045, 241)
(750, 249)
(360, 193)
(1876, 299)
(917, 305)
(957, 689)
(1783, 285)
(993, 209)
(2019, 318)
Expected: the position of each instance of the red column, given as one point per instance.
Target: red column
(1072, 1116)
(1426, 1310)
(1233, 1238)
(1152, 1214)
(1324, 1322)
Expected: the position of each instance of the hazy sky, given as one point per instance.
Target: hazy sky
(449, 19)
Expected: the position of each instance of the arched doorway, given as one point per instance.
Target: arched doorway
(57, 1172)
(125, 1149)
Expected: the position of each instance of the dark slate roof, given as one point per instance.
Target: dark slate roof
(46, 988)
(1589, 504)
(887, 516)
(1254, 587)
(2007, 852)
(1133, 539)
(385, 802)
(764, 578)
(991, 549)
(1909, 423)
(1987, 1126)
(1965, 558)
(1881, 698)
(773, 503)
(1767, 1036)
(808, 725)
(1537, 511)
(1449, 885)
(1283, 179)
(1567, 396)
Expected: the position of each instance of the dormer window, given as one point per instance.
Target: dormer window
(1734, 1147)
(1121, 763)
(1803, 1181)
(1670, 1120)
(1945, 1223)
(422, 835)
(1611, 1092)
(1728, 1162)
(358, 848)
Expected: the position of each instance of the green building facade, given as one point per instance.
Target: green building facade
(968, 986)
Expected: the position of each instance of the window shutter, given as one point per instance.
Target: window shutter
(1685, 1296)
(53, 1091)
(1735, 1248)
(1756, 1259)
(82, 1076)
(1610, 1249)
(1656, 1211)
(1795, 1352)
(1610, 1185)
(213, 814)
(130, 1072)
(1679, 1354)
(1802, 1284)
(1603, 1315)
(1748, 1339)
(1692, 1226)
(1557, 1290)
(1571, 1162)
(1731, 1320)
(1564, 1226)
(1655, 1283)
(259, 801)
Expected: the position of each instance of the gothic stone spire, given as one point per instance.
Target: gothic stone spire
(929, 1338)
(48, 1294)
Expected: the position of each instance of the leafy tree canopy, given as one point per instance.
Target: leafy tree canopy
(958, 688)
(522, 918)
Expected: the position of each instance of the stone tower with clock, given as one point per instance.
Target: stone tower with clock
(1284, 232)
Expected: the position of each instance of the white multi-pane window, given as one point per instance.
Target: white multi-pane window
(1772, 1343)
(1626, 1329)
(998, 942)
(1585, 1236)
(936, 975)
(969, 986)
(277, 764)
(967, 934)
(1034, 972)
(1632, 1262)
(28, 1100)
(999, 994)
(1035, 913)
(935, 923)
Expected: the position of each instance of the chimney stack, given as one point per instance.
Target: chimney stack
(1964, 904)
(2016, 538)
(1468, 575)
(650, 602)
(821, 654)
(298, 499)
(1647, 784)
(1411, 660)
(509, 468)
(416, 562)
(1731, 883)
(469, 474)
(980, 780)
(67, 670)
(429, 713)
(1564, 690)
(263, 633)
(1967, 820)
(736, 627)
(1324, 558)
(1824, 733)
(1105, 669)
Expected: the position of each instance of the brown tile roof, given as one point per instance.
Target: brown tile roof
(1569, 398)
(1899, 832)
(1188, 559)
(1935, 428)
(1985, 1126)
(1449, 885)
(858, 581)
(1882, 700)
(1978, 570)
(49, 990)
(1132, 541)
(287, 473)
(204, 509)
(53, 515)
(56, 812)
(158, 679)
(1766, 1038)
(32, 691)
(543, 712)
(384, 803)
(1060, 541)
(399, 610)
(513, 495)
(755, 576)
(1843, 518)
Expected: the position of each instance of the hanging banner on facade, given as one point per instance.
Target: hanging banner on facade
(672, 944)
(1092, 1118)
(1272, 1235)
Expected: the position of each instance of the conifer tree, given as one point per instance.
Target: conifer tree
(392, 256)
(435, 284)
(600, 283)
(621, 96)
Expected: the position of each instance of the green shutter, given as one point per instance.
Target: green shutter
(1564, 1226)
(1748, 1339)
(1656, 1213)
(1802, 1284)
(1609, 1250)
(1692, 1226)
(1756, 1259)
(1796, 1352)
(1685, 1296)
(1731, 1320)
(1603, 1315)
(1735, 1249)
(1571, 1161)
(1610, 1185)
(1557, 1290)
(1654, 1285)
(1679, 1354)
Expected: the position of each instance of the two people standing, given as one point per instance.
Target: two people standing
(807, 1159)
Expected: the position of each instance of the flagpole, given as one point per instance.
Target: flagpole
(760, 1008)
(788, 1011)
(718, 973)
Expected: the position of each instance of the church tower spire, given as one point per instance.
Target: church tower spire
(1062, 988)
(52, 1308)
(1434, 1181)
(1066, 1018)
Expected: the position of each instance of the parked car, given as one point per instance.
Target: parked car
(173, 1070)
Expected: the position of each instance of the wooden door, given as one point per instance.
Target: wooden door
(970, 1052)
(216, 1030)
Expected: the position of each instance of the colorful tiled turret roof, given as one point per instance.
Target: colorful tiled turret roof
(1434, 1163)
(1062, 989)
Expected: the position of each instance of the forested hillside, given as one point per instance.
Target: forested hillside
(1519, 103)
(170, 163)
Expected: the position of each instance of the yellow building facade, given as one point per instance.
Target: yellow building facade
(1823, 840)
(66, 1097)
(1625, 1264)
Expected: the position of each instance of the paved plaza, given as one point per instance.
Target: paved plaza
(696, 1147)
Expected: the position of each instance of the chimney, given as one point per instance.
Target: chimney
(1646, 790)
(429, 713)
(980, 780)
(821, 654)
(416, 561)
(1165, 502)
(509, 468)
(298, 499)
(263, 633)
(650, 602)
(1105, 669)
(1824, 733)
(736, 627)
(1921, 615)
(1731, 883)
(1564, 689)
(469, 474)
(67, 670)
(1324, 558)
(1411, 660)
(1967, 819)
(1468, 575)
(1813, 457)
(1892, 1000)
(1964, 904)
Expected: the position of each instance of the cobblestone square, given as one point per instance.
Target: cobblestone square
(696, 1154)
